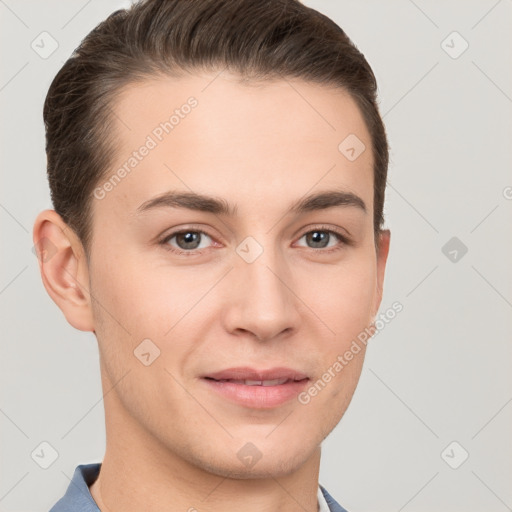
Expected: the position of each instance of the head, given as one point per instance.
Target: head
(185, 142)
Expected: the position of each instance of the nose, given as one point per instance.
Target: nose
(261, 298)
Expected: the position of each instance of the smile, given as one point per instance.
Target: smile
(257, 393)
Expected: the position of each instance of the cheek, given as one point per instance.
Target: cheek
(145, 301)
(139, 302)
(343, 298)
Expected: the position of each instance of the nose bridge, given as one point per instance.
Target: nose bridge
(265, 280)
(263, 302)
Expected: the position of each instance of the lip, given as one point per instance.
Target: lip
(257, 396)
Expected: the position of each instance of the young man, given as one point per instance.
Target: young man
(217, 170)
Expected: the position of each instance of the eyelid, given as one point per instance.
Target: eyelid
(340, 233)
(190, 228)
(344, 238)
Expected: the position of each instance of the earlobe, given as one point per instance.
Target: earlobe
(64, 269)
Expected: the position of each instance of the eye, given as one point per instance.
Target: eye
(186, 241)
(325, 238)
(190, 242)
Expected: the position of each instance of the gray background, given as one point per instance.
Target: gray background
(439, 372)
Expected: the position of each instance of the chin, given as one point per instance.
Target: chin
(269, 462)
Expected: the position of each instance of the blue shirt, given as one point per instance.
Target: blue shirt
(78, 497)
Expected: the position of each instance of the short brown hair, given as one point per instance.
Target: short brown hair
(257, 39)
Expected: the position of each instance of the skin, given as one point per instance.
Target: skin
(171, 442)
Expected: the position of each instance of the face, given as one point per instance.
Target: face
(196, 299)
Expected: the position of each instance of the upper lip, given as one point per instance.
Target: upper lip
(247, 373)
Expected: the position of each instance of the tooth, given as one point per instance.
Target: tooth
(248, 382)
(253, 382)
(274, 382)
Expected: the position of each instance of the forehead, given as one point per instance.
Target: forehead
(210, 133)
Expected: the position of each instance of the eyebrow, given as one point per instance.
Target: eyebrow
(218, 206)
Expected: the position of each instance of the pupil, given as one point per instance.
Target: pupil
(318, 237)
(190, 238)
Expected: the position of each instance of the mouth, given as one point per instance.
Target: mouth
(248, 382)
(257, 389)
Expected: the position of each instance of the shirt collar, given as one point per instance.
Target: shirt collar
(322, 503)
(78, 497)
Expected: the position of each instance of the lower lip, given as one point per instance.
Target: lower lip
(258, 397)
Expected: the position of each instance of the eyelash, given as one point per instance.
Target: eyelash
(344, 240)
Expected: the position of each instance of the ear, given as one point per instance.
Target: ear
(382, 251)
(64, 268)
